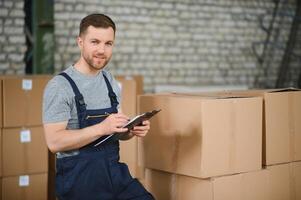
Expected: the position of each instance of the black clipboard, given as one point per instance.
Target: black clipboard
(136, 121)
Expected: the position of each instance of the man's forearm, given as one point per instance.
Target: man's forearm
(64, 140)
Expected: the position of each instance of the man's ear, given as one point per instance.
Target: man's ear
(79, 42)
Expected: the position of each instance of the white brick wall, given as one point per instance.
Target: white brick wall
(12, 38)
(183, 42)
(179, 42)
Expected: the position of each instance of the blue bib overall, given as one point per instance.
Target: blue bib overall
(96, 173)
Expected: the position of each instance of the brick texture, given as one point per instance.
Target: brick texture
(169, 42)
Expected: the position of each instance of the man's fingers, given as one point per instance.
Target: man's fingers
(121, 130)
(146, 122)
(141, 128)
(139, 133)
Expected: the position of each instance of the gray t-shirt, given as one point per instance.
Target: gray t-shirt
(59, 104)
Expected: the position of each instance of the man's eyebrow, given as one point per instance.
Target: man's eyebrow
(94, 39)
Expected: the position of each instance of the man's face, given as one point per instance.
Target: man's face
(96, 46)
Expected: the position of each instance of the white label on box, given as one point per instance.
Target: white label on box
(25, 136)
(128, 78)
(24, 181)
(27, 84)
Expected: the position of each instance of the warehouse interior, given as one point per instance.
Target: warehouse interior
(226, 75)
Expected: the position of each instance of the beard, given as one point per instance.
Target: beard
(96, 62)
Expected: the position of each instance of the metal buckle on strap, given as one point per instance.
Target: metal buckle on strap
(80, 100)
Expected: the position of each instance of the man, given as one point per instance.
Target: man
(81, 107)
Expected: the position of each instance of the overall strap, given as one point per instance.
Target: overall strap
(112, 95)
(72, 83)
(79, 99)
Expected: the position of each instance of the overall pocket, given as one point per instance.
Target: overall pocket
(71, 169)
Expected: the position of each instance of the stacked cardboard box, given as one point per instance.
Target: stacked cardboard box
(203, 137)
(131, 87)
(24, 153)
(277, 182)
(210, 145)
(281, 116)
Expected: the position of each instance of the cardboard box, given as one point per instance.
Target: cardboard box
(24, 151)
(25, 187)
(203, 137)
(131, 86)
(282, 127)
(245, 186)
(22, 100)
(285, 181)
(279, 182)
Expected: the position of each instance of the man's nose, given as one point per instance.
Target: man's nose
(101, 48)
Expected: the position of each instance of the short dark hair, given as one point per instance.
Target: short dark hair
(96, 20)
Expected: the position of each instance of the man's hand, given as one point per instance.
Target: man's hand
(142, 130)
(114, 123)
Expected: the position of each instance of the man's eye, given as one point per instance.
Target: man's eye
(109, 44)
(94, 42)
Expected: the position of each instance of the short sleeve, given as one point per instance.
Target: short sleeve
(56, 106)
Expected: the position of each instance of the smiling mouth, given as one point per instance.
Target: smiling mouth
(99, 57)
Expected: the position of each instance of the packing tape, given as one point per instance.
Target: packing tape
(173, 187)
(241, 185)
(292, 182)
(175, 151)
(232, 138)
(291, 118)
(25, 156)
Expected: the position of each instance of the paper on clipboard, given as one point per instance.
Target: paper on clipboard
(136, 121)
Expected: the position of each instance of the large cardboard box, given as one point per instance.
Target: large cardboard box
(131, 86)
(282, 127)
(245, 186)
(277, 182)
(24, 151)
(282, 133)
(203, 137)
(25, 187)
(284, 181)
(22, 100)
